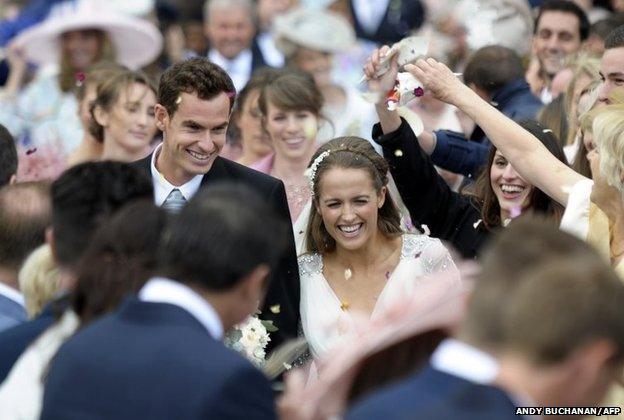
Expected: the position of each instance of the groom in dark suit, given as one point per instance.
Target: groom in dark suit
(160, 356)
(195, 98)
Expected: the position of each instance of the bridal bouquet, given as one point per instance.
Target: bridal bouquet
(250, 339)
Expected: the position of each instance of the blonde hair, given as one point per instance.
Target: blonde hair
(584, 66)
(39, 279)
(608, 130)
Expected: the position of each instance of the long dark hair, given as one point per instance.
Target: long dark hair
(350, 152)
(539, 201)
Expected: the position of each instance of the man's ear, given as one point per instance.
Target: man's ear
(254, 285)
(162, 116)
(49, 238)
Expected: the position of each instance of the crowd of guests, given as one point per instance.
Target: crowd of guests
(177, 182)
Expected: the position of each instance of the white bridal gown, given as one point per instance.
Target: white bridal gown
(326, 322)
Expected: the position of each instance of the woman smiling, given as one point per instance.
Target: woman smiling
(358, 260)
(123, 116)
(465, 220)
(291, 109)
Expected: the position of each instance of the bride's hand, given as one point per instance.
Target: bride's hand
(439, 80)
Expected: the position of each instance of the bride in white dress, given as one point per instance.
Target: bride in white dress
(358, 261)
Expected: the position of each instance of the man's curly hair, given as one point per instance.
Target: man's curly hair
(195, 76)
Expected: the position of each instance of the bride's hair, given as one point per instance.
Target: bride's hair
(349, 153)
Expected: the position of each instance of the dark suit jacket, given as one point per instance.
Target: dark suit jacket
(402, 16)
(152, 361)
(284, 284)
(455, 153)
(434, 395)
(450, 216)
(14, 341)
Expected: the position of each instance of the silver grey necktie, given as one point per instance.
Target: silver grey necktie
(174, 201)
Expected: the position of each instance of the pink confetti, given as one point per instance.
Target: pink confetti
(418, 92)
(515, 211)
(31, 151)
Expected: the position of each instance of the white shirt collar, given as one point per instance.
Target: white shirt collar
(161, 289)
(162, 187)
(465, 361)
(12, 294)
(238, 68)
(370, 13)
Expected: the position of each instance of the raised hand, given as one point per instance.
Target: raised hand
(439, 80)
(380, 84)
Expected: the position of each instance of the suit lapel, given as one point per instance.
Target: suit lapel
(218, 172)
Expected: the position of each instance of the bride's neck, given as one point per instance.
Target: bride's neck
(377, 249)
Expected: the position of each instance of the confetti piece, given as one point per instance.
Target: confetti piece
(398, 153)
(426, 230)
(344, 305)
(348, 273)
(417, 255)
(275, 309)
(476, 224)
(287, 366)
(300, 232)
(179, 100)
(387, 274)
(31, 151)
(418, 92)
(515, 211)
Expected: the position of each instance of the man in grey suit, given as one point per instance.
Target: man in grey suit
(24, 217)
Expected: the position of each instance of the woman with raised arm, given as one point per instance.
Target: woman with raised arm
(465, 220)
(594, 210)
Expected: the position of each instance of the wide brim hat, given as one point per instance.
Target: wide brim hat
(315, 29)
(137, 42)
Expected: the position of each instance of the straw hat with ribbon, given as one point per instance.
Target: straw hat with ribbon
(137, 42)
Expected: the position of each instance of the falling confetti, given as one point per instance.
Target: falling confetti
(287, 366)
(387, 274)
(344, 305)
(417, 255)
(31, 151)
(477, 223)
(275, 309)
(348, 273)
(418, 92)
(398, 153)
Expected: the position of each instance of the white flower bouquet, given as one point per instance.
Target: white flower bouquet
(250, 339)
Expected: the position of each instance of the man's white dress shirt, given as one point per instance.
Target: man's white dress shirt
(164, 290)
(238, 68)
(162, 187)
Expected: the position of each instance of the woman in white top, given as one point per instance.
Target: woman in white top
(595, 210)
(358, 260)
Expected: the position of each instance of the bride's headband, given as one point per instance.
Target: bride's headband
(310, 173)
